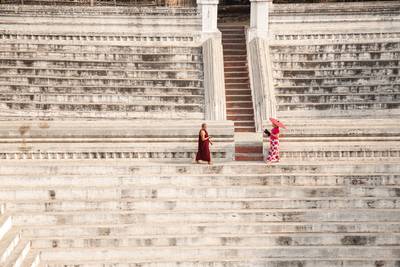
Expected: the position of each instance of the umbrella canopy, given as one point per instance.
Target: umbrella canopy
(277, 123)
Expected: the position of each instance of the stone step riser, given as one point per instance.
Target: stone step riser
(48, 47)
(104, 74)
(338, 47)
(286, 241)
(26, 107)
(375, 72)
(239, 104)
(340, 106)
(93, 90)
(199, 253)
(174, 205)
(294, 67)
(268, 179)
(212, 229)
(360, 112)
(90, 115)
(185, 169)
(62, 81)
(356, 89)
(239, 263)
(341, 99)
(240, 117)
(22, 194)
(34, 219)
(103, 56)
(102, 65)
(103, 99)
(327, 56)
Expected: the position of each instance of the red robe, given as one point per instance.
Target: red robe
(203, 152)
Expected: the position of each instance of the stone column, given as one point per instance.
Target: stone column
(260, 64)
(209, 15)
(259, 13)
(213, 59)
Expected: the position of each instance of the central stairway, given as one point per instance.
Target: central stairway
(238, 93)
(239, 101)
(119, 213)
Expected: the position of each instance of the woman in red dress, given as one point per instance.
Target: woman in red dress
(203, 152)
(273, 153)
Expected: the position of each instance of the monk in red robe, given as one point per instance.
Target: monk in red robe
(203, 152)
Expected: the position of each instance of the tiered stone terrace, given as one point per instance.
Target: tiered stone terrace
(124, 214)
(343, 78)
(107, 65)
(332, 60)
(74, 197)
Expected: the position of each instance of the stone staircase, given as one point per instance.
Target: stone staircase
(112, 84)
(90, 71)
(238, 93)
(290, 214)
(100, 80)
(340, 78)
(15, 251)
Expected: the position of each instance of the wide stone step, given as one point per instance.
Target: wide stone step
(285, 241)
(345, 106)
(230, 262)
(101, 74)
(335, 98)
(100, 64)
(264, 228)
(10, 88)
(368, 45)
(218, 180)
(154, 192)
(226, 216)
(174, 204)
(101, 98)
(240, 111)
(120, 167)
(33, 47)
(78, 81)
(201, 253)
(104, 56)
(31, 106)
(346, 80)
(337, 65)
(387, 70)
(317, 57)
(369, 87)
(239, 104)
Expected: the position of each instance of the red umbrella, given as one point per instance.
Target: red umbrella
(277, 123)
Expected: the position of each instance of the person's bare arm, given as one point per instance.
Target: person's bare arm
(203, 136)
